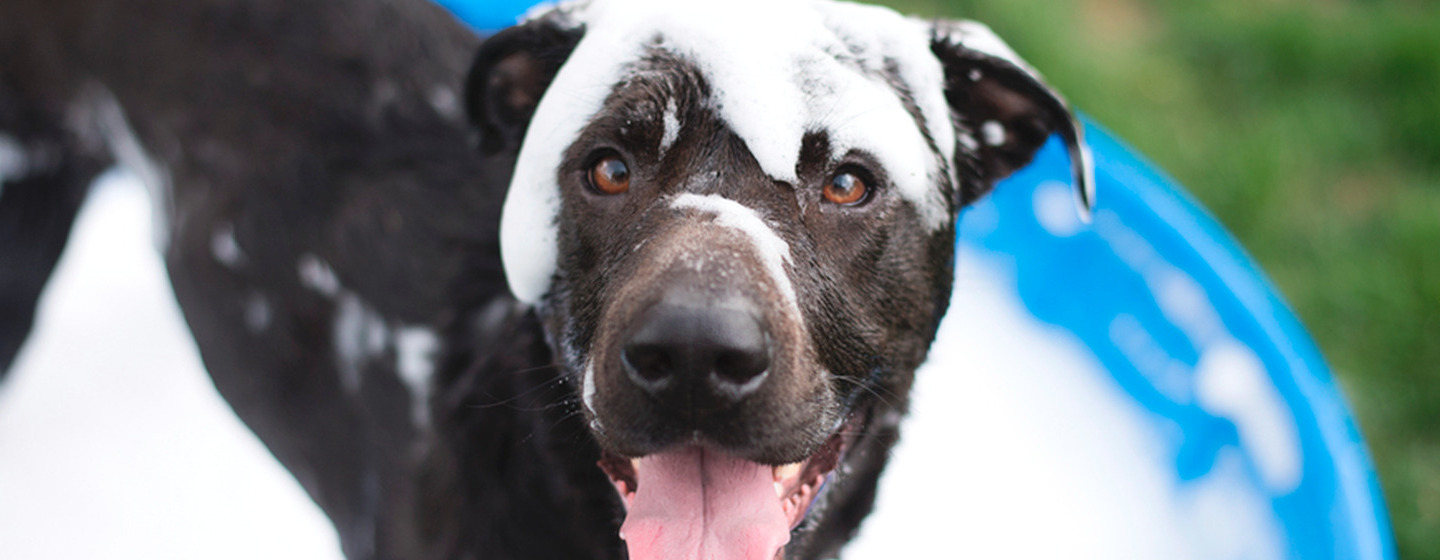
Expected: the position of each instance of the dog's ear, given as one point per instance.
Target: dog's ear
(510, 74)
(1004, 111)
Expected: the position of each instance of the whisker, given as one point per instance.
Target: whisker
(558, 378)
(889, 399)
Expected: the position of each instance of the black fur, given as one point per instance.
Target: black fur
(872, 282)
(330, 131)
(307, 128)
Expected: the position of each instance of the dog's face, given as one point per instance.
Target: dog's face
(739, 232)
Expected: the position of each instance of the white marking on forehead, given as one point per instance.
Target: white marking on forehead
(774, 251)
(14, 162)
(820, 68)
(224, 247)
(672, 127)
(994, 133)
(317, 275)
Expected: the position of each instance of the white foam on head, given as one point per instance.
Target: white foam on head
(672, 127)
(778, 68)
(774, 251)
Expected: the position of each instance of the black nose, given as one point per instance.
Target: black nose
(698, 357)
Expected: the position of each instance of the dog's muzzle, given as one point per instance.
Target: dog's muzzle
(695, 356)
(719, 425)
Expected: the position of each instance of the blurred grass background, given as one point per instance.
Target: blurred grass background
(1311, 128)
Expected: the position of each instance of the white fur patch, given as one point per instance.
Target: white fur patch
(774, 251)
(821, 67)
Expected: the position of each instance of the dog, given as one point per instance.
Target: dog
(630, 279)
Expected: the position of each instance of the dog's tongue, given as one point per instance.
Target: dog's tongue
(694, 504)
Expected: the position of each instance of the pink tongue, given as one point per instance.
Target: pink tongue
(693, 504)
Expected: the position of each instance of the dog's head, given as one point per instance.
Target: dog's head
(737, 224)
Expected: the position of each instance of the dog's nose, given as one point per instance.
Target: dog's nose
(709, 357)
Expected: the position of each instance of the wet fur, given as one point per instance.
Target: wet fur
(872, 281)
(311, 129)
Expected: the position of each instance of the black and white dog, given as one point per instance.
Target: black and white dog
(728, 232)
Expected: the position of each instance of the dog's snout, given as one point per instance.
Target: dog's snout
(707, 357)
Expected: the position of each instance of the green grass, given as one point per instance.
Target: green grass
(1311, 128)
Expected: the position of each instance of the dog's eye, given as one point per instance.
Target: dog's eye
(610, 175)
(847, 189)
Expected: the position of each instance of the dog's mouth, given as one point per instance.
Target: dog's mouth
(696, 502)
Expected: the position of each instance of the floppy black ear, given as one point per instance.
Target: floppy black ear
(1004, 111)
(510, 73)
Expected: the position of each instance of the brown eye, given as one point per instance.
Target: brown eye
(610, 175)
(846, 189)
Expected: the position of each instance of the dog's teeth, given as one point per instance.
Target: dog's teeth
(783, 472)
(779, 490)
(635, 464)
